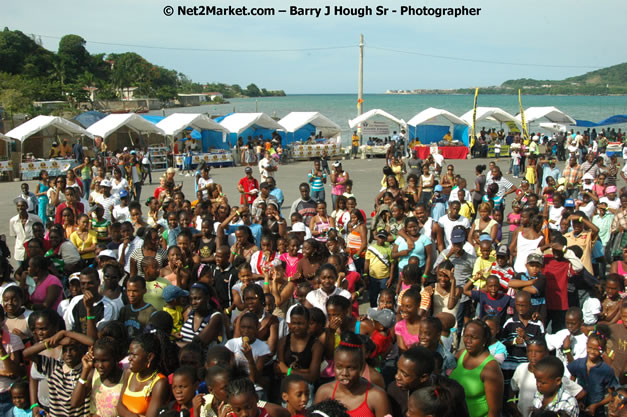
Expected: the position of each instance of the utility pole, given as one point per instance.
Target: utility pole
(360, 89)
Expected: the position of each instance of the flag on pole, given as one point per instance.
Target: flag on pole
(473, 134)
(523, 121)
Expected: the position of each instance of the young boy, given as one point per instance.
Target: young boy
(379, 266)
(136, 314)
(382, 321)
(484, 262)
(348, 193)
(523, 383)
(551, 395)
(467, 209)
(295, 393)
(154, 283)
(172, 296)
(64, 379)
(569, 343)
(533, 282)
(517, 332)
(121, 212)
(492, 302)
(430, 338)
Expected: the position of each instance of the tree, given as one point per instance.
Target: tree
(74, 56)
(13, 101)
(253, 91)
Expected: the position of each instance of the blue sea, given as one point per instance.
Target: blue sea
(342, 107)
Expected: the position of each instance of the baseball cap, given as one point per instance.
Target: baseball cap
(386, 317)
(172, 292)
(382, 233)
(105, 183)
(502, 250)
(588, 176)
(438, 188)
(123, 193)
(535, 258)
(248, 169)
(458, 235)
(485, 237)
(299, 227)
(108, 253)
(569, 202)
(76, 276)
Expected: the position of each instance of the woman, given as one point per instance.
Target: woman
(255, 302)
(41, 191)
(145, 389)
(205, 242)
(118, 183)
(398, 168)
(446, 295)
(83, 239)
(84, 171)
(150, 248)
(315, 254)
(425, 185)
(73, 181)
(244, 241)
(338, 181)
(56, 195)
(62, 253)
(357, 239)
(421, 247)
(202, 321)
(484, 224)
(391, 187)
(448, 181)
(527, 238)
(68, 221)
(48, 292)
(479, 372)
(153, 211)
(360, 397)
(620, 266)
(262, 260)
(410, 192)
(479, 190)
(407, 330)
(272, 222)
(321, 222)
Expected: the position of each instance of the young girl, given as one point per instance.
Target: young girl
(245, 278)
(84, 239)
(202, 321)
(359, 396)
(262, 260)
(596, 388)
(445, 295)
(280, 287)
(314, 255)
(513, 218)
(611, 305)
(19, 398)
(291, 258)
(339, 210)
(496, 348)
(242, 399)
(100, 225)
(407, 330)
(321, 222)
(185, 391)
(409, 276)
(16, 314)
(41, 191)
(438, 400)
(268, 330)
(104, 385)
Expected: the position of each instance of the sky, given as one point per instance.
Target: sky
(554, 39)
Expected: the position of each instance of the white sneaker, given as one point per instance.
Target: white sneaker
(188, 174)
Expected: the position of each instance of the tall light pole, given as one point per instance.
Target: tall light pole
(360, 89)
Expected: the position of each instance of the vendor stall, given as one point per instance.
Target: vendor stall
(432, 125)
(299, 126)
(307, 151)
(55, 129)
(248, 124)
(448, 152)
(216, 157)
(130, 129)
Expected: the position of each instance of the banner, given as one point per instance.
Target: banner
(375, 128)
(473, 133)
(211, 158)
(310, 151)
(6, 166)
(522, 119)
(55, 167)
(512, 127)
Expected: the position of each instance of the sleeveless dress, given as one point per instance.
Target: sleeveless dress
(339, 188)
(188, 333)
(470, 379)
(363, 410)
(299, 360)
(523, 248)
(353, 242)
(43, 203)
(104, 399)
(397, 170)
(322, 227)
(138, 401)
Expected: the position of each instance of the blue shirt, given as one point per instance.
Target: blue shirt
(255, 229)
(438, 210)
(595, 383)
(276, 192)
(317, 183)
(494, 307)
(418, 251)
(547, 171)
(540, 285)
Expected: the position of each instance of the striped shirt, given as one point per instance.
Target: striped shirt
(62, 383)
(517, 353)
(317, 182)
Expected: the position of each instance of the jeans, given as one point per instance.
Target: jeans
(374, 288)
(333, 198)
(148, 169)
(516, 170)
(318, 195)
(138, 190)
(86, 185)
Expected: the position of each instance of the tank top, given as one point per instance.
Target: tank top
(322, 227)
(299, 360)
(339, 188)
(621, 271)
(363, 410)
(470, 379)
(187, 331)
(427, 183)
(138, 401)
(104, 399)
(523, 248)
(353, 241)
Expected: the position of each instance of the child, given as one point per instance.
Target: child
(154, 283)
(448, 330)
(242, 400)
(555, 211)
(292, 257)
(64, 378)
(136, 314)
(593, 374)
(84, 239)
(614, 286)
(533, 282)
(101, 388)
(430, 338)
(496, 348)
(467, 209)
(185, 391)
(551, 395)
(524, 381)
(497, 215)
(16, 314)
(410, 276)
(517, 332)
(349, 189)
(492, 302)
(379, 266)
(513, 218)
(100, 224)
(515, 155)
(569, 343)
(387, 299)
(20, 400)
(504, 271)
(174, 298)
(74, 284)
(382, 323)
(497, 150)
(295, 393)
(484, 262)
(618, 337)
(121, 212)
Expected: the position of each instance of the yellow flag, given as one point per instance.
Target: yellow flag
(473, 134)
(525, 132)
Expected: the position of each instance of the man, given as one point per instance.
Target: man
(55, 151)
(66, 149)
(448, 138)
(77, 151)
(224, 276)
(414, 164)
(572, 173)
(450, 221)
(317, 179)
(549, 170)
(89, 312)
(590, 166)
(21, 227)
(31, 199)
(355, 144)
(305, 205)
(275, 191)
(267, 167)
(464, 263)
(107, 201)
(248, 188)
(147, 164)
(71, 201)
(505, 186)
(263, 197)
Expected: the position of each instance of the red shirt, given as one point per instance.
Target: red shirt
(78, 209)
(157, 192)
(248, 184)
(557, 273)
(352, 278)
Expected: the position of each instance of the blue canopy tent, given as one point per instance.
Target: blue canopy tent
(299, 126)
(249, 124)
(614, 120)
(89, 118)
(426, 126)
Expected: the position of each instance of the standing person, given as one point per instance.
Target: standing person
(572, 173)
(357, 239)
(248, 187)
(147, 164)
(338, 182)
(317, 178)
(527, 238)
(21, 227)
(267, 167)
(479, 190)
(71, 202)
(137, 176)
(505, 186)
(355, 144)
(84, 171)
(41, 191)
(305, 205)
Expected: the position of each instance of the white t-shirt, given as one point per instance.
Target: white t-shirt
(318, 298)
(612, 204)
(588, 209)
(259, 348)
(524, 382)
(264, 164)
(121, 214)
(591, 310)
(555, 215)
(202, 183)
(577, 346)
(116, 188)
(447, 225)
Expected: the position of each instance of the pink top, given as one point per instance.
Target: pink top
(339, 188)
(599, 190)
(400, 329)
(290, 263)
(514, 221)
(39, 295)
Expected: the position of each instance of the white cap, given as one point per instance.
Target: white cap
(75, 276)
(105, 183)
(108, 253)
(299, 227)
(588, 176)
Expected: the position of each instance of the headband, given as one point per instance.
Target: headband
(320, 413)
(351, 345)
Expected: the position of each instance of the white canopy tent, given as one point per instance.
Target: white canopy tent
(373, 113)
(177, 122)
(435, 116)
(5, 138)
(551, 114)
(105, 127)
(296, 120)
(238, 122)
(494, 114)
(39, 123)
(554, 127)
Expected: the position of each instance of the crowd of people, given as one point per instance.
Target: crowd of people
(207, 306)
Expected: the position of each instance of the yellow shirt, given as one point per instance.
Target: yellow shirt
(448, 137)
(177, 317)
(154, 292)
(483, 266)
(355, 140)
(92, 239)
(378, 269)
(467, 210)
